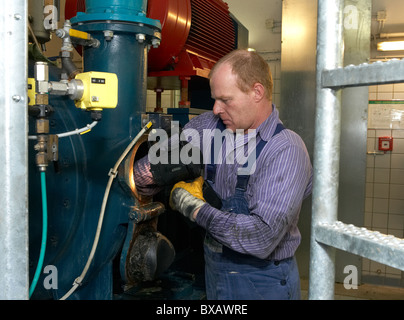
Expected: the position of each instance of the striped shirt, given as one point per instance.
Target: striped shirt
(282, 179)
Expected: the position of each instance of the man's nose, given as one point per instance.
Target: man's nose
(217, 109)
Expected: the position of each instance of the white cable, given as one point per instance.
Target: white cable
(112, 174)
(88, 127)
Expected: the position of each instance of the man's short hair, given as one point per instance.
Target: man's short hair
(250, 68)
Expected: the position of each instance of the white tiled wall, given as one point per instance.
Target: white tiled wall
(384, 207)
(387, 92)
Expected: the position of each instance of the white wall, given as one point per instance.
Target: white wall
(263, 19)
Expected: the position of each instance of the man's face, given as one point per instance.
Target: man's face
(235, 107)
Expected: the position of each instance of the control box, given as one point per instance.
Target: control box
(100, 90)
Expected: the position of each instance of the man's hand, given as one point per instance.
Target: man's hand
(187, 197)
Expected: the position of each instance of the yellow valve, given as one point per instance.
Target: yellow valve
(31, 91)
(79, 34)
(100, 90)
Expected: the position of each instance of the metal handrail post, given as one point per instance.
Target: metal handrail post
(326, 147)
(14, 274)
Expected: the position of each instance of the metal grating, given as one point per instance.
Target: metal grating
(373, 245)
(364, 75)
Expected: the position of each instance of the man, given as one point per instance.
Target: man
(251, 240)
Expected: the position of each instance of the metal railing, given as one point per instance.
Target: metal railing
(14, 150)
(327, 233)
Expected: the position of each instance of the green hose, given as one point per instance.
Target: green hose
(44, 233)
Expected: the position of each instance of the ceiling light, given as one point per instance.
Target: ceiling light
(390, 46)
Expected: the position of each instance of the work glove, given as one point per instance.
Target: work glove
(186, 197)
(167, 173)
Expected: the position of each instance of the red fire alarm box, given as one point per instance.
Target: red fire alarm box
(386, 143)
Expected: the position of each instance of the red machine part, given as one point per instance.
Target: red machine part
(201, 32)
(74, 6)
(195, 34)
(175, 19)
(212, 32)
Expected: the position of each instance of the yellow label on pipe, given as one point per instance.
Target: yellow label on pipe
(79, 34)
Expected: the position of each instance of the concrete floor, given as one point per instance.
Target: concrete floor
(364, 292)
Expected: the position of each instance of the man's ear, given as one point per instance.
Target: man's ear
(259, 91)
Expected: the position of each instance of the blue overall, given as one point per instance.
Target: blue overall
(230, 275)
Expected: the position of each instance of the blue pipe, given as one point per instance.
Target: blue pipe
(133, 11)
(118, 6)
(125, 54)
(44, 234)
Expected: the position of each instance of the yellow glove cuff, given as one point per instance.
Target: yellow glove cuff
(194, 187)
